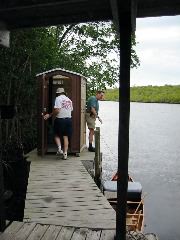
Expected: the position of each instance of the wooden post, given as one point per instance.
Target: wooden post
(124, 113)
(124, 14)
(100, 166)
(97, 173)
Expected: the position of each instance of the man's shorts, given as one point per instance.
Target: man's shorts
(91, 121)
(63, 127)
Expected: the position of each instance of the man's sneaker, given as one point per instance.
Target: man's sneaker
(91, 149)
(64, 156)
(59, 152)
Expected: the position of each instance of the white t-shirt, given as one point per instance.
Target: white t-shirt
(65, 105)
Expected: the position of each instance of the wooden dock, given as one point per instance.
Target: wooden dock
(63, 202)
(35, 231)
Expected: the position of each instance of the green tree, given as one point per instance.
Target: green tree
(92, 49)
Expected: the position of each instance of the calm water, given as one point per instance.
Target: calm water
(154, 160)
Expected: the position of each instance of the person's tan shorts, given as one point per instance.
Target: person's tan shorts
(90, 121)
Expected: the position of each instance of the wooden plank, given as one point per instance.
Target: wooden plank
(93, 235)
(108, 235)
(14, 227)
(11, 231)
(51, 233)
(65, 233)
(78, 219)
(79, 234)
(25, 231)
(32, 231)
(6, 236)
(38, 232)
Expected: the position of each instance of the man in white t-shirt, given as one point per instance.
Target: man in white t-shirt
(63, 121)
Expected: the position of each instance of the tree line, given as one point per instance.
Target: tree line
(148, 94)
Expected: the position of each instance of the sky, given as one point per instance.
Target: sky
(158, 50)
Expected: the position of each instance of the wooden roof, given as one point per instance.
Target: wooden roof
(56, 71)
(30, 13)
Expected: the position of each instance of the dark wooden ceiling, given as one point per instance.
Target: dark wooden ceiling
(30, 13)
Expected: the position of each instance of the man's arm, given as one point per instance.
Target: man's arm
(93, 111)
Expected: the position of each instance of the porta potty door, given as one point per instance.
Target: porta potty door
(42, 109)
(55, 82)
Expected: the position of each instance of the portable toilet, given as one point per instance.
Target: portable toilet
(74, 85)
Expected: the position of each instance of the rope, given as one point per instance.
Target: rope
(131, 235)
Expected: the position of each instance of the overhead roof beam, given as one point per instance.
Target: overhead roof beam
(46, 14)
(38, 4)
(30, 13)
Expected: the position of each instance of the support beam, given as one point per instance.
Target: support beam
(124, 15)
(124, 114)
(115, 13)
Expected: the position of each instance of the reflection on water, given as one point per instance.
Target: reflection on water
(154, 159)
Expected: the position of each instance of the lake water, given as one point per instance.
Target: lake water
(154, 160)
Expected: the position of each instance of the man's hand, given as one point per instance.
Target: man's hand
(46, 116)
(53, 114)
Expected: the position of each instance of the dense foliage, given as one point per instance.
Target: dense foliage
(161, 94)
(29, 53)
(90, 49)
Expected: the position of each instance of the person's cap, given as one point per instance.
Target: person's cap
(60, 90)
